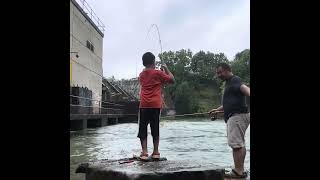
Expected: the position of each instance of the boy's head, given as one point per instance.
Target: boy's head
(148, 60)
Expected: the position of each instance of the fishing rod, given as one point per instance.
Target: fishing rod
(159, 39)
(181, 115)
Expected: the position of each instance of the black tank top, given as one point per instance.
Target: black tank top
(234, 100)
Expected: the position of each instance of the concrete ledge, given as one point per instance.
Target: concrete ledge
(129, 169)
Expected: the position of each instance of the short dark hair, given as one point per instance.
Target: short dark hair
(224, 66)
(148, 59)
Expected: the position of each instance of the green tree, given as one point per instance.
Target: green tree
(195, 87)
(178, 62)
(184, 101)
(203, 64)
(241, 65)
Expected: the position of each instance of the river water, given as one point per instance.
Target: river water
(200, 139)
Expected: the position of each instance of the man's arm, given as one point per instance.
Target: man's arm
(245, 90)
(214, 111)
(220, 108)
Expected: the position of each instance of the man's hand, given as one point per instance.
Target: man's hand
(212, 112)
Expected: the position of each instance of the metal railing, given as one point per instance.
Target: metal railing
(96, 100)
(89, 11)
(114, 110)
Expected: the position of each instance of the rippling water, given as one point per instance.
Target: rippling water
(199, 139)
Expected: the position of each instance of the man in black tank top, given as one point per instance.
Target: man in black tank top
(236, 115)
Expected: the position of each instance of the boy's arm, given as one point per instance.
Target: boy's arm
(167, 71)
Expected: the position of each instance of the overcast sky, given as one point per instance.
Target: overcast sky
(208, 25)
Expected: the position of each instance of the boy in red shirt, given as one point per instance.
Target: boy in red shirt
(151, 82)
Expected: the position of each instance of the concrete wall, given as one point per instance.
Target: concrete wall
(87, 68)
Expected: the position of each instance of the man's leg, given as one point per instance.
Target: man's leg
(239, 155)
(236, 128)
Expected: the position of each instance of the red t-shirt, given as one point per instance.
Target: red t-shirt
(151, 81)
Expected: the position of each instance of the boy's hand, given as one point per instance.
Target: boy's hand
(164, 66)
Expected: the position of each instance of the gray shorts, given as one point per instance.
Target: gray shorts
(236, 129)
